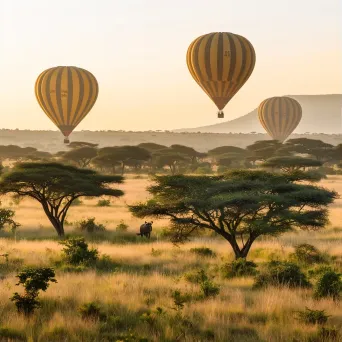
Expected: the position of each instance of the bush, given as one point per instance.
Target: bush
(327, 334)
(308, 254)
(281, 273)
(89, 226)
(319, 271)
(121, 227)
(209, 289)
(328, 285)
(33, 280)
(239, 268)
(90, 311)
(76, 202)
(7, 334)
(312, 316)
(203, 252)
(76, 252)
(103, 203)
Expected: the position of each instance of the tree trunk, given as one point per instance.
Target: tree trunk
(241, 252)
(59, 227)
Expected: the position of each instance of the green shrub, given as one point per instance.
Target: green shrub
(312, 316)
(76, 202)
(308, 254)
(103, 203)
(179, 300)
(7, 334)
(328, 285)
(33, 280)
(239, 268)
(90, 311)
(89, 226)
(203, 252)
(209, 289)
(121, 227)
(327, 335)
(319, 271)
(281, 273)
(76, 252)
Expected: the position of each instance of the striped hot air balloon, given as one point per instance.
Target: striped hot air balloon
(66, 95)
(280, 116)
(221, 63)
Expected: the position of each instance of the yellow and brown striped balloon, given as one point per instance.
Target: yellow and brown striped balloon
(280, 116)
(221, 63)
(66, 95)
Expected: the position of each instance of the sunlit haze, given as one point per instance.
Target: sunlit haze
(136, 50)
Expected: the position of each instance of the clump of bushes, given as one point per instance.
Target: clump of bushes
(121, 227)
(200, 277)
(307, 254)
(90, 311)
(281, 273)
(33, 280)
(239, 268)
(328, 285)
(76, 252)
(203, 252)
(76, 202)
(103, 203)
(89, 226)
(312, 316)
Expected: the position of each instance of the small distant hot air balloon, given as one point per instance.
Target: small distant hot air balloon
(221, 63)
(280, 116)
(66, 95)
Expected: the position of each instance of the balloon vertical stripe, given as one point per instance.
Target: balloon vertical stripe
(279, 116)
(66, 95)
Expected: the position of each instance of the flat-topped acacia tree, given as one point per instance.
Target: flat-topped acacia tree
(55, 186)
(240, 205)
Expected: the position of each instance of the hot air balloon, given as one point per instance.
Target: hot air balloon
(280, 116)
(66, 95)
(221, 63)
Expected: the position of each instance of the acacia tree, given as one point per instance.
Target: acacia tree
(240, 206)
(56, 186)
(81, 156)
(291, 163)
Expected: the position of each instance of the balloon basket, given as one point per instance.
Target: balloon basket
(220, 115)
(66, 141)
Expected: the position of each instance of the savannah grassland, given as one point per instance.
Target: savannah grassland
(142, 274)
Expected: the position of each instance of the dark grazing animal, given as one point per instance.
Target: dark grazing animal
(145, 229)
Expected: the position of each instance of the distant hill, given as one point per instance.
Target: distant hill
(321, 114)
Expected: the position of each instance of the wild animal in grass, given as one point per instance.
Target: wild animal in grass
(146, 229)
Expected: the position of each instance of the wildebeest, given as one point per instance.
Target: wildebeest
(145, 229)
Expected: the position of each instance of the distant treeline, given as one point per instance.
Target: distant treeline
(300, 153)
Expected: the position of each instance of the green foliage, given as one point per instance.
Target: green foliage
(121, 227)
(312, 316)
(33, 280)
(76, 252)
(90, 311)
(200, 277)
(291, 163)
(209, 289)
(76, 202)
(103, 203)
(281, 273)
(36, 279)
(327, 334)
(203, 252)
(81, 156)
(179, 300)
(6, 219)
(329, 284)
(239, 268)
(240, 205)
(7, 334)
(89, 226)
(308, 254)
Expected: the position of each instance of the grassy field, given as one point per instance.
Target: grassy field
(138, 276)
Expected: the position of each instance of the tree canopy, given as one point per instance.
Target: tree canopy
(55, 186)
(291, 163)
(81, 156)
(240, 206)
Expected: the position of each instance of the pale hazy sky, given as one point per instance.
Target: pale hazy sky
(136, 49)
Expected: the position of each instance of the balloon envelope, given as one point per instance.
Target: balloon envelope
(66, 94)
(221, 63)
(280, 116)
